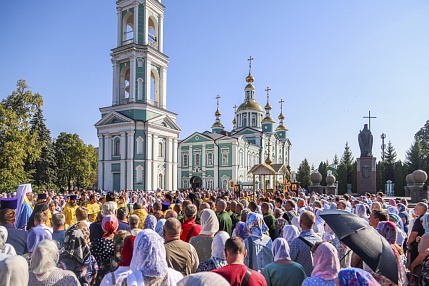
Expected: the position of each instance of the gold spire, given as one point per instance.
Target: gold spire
(268, 160)
(268, 106)
(250, 77)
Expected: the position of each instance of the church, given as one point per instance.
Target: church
(138, 136)
(220, 158)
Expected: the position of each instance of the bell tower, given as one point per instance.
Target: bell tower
(139, 65)
(138, 136)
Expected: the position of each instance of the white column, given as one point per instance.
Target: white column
(119, 13)
(145, 27)
(163, 85)
(154, 173)
(148, 83)
(100, 161)
(190, 159)
(132, 79)
(169, 163)
(148, 171)
(115, 91)
(130, 160)
(216, 159)
(108, 177)
(122, 149)
(123, 183)
(107, 147)
(175, 158)
(136, 21)
(161, 34)
(203, 157)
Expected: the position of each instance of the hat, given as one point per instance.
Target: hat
(41, 196)
(73, 197)
(9, 203)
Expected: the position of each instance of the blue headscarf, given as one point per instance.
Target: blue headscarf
(426, 222)
(36, 235)
(160, 226)
(150, 222)
(255, 224)
(356, 277)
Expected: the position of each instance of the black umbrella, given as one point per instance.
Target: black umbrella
(364, 240)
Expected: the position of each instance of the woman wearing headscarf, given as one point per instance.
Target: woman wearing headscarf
(159, 227)
(319, 225)
(203, 242)
(402, 236)
(14, 271)
(295, 222)
(290, 232)
(117, 277)
(77, 256)
(283, 268)
(240, 229)
(149, 262)
(217, 259)
(356, 277)
(43, 267)
(258, 244)
(203, 279)
(36, 235)
(326, 266)
(102, 248)
(389, 231)
(362, 212)
(150, 222)
(5, 248)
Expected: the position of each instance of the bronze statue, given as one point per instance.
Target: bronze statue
(365, 142)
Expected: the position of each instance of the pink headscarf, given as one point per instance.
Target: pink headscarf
(388, 230)
(326, 263)
(109, 224)
(392, 202)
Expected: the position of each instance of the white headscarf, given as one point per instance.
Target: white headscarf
(203, 279)
(149, 258)
(361, 211)
(20, 196)
(295, 221)
(209, 222)
(290, 232)
(281, 250)
(218, 244)
(14, 271)
(5, 248)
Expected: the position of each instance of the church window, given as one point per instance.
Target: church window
(160, 149)
(244, 120)
(185, 160)
(124, 83)
(154, 87)
(117, 147)
(197, 160)
(210, 184)
(153, 32)
(139, 174)
(209, 159)
(128, 28)
(225, 159)
(254, 120)
(224, 185)
(160, 181)
(185, 184)
(241, 159)
(140, 89)
(139, 145)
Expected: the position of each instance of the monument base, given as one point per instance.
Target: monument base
(418, 193)
(366, 175)
(331, 190)
(318, 189)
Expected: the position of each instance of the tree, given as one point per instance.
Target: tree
(77, 163)
(323, 171)
(303, 174)
(423, 136)
(381, 179)
(400, 172)
(43, 169)
(389, 162)
(17, 144)
(345, 170)
(336, 161)
(414, 156)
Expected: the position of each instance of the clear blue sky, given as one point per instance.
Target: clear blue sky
(331, 61)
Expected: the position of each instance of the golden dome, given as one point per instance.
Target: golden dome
(281, 116)
(250, 105)
(217, 125)
(268, 161)
(268, 106)
(217, 113)
(251, 86)
(250, 78)
(281, 128)
(268, 119)
(234, 121)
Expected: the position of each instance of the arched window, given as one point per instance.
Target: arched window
(153, 32)
(139, 174)
(128, 28)
(154, 87)
(197, 160)
(124, 84)
(185, 160)
(160, 149)
(160, 181)
(139, 145)
(224, 185)
(117, 147)
(185, 184)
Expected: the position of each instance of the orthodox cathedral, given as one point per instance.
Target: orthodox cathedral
(139, 144)
(220, 158)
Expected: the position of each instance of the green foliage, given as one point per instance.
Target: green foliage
(345, 170)
(323, 171)
(303, 174)
(389, 162)
(381, 179)
(399, 173)
(77, 163)
(17, 144)
(414, 156)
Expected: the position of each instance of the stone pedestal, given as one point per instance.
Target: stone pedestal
(418, 193)
(331, 190)
(366, 175)
(318, 189)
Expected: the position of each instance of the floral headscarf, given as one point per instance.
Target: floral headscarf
(392, 209)
(36, 235)
(326, 263)
(281, 250)
(241, 230)
(160, 226)
(75, 244)
(356, 277)
(209, 222)
(149, 258)
(150, 222)
(290, 232)
(109, 224)
(402, 208)
(255, 224)
(44, 259)
(388, 230)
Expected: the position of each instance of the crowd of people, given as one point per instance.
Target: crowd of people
(202, 237)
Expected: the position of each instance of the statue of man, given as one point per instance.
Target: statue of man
(365, 142)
